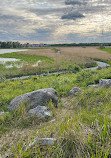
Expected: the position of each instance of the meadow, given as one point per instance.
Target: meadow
(51, 59)
(81, 124)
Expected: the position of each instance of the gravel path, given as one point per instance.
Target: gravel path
(100, 65)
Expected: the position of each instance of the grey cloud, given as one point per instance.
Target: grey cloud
(75, 2)
(47, 11)
(41, 18)
(11, 18)
(73, 16)
(90, 7)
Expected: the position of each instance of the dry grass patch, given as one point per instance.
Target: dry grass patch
(88, 52)
(67, 54)
(75, 54)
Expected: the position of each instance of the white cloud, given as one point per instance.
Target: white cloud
(90, 26)
(25, 17)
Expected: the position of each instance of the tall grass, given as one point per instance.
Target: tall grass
(81, 124)
(83, 130)
(50, 61)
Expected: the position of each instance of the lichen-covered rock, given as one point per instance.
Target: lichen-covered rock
(104, 83)
(40, 111)
(75, 91)
(36, 98)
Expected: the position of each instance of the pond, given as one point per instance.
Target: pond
(5, 60)
(3, 51)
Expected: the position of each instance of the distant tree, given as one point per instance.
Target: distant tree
(27, 44)
(10, 44)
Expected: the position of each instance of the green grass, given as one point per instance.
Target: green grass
(82, 127)
(46, 65)
(25, 57)
(27, 61)
(107, 50)
(62, 83)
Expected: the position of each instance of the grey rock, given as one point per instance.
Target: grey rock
(40, 111)
(43, 141)
(75, 90)
(36, 98)
(92, 86)
(104, 83)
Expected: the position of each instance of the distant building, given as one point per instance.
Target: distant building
(36, 45)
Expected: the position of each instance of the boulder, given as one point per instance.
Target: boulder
(40, 111)
(74, 91)
(104, 83)
(36, 98)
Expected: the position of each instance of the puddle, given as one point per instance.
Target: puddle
(12, 62)
(5, 60)
(3, 51)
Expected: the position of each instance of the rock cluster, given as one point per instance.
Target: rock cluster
(36, 102)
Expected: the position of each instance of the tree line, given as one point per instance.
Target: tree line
(82, 44)
(10, 44)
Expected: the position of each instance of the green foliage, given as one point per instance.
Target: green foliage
(88, 77)
(107, 50)
(82, 127)
(74, 68)
(10, 44)
(5, 117)
(27, 62)
(25, 57)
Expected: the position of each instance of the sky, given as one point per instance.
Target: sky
(55, 21)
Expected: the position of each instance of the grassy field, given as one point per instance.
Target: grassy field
(82, 128)
(107, 50)
(78, 55)
(52, 59)
(81, 124)
(71, 53)
(28, 63)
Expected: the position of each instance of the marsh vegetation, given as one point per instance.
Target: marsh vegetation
(81, 124)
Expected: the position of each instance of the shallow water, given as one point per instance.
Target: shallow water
(3, 51)
(4, 60)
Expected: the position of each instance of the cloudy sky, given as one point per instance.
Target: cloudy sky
(55, 21)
